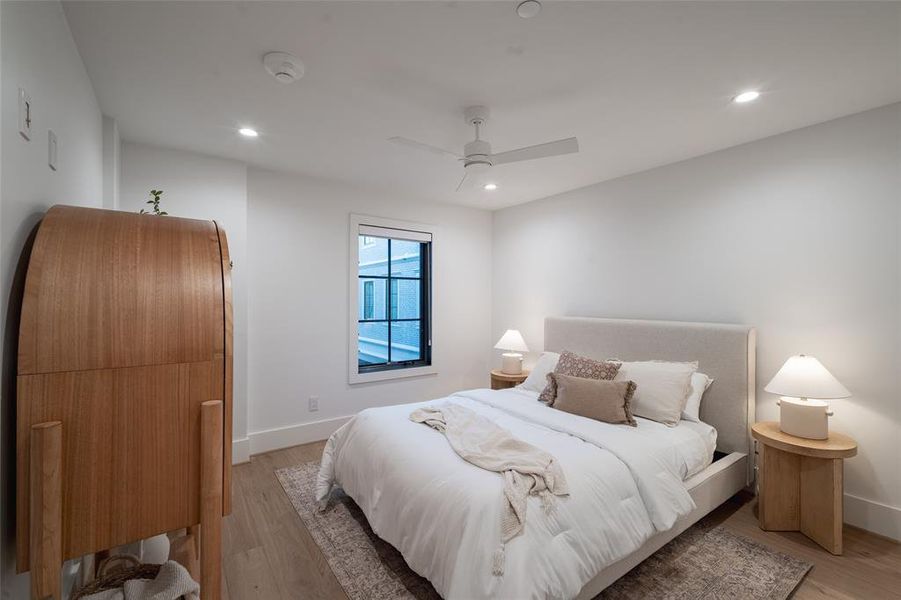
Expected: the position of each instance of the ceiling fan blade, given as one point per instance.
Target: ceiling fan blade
(567, 146)
(421, 146)
(461, 186)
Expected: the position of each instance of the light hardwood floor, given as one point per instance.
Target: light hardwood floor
(269, 554)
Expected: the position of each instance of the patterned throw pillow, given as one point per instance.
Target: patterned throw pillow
(577, 366)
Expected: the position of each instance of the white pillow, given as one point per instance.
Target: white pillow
(663, 388)
(699, 385)
(537, 379)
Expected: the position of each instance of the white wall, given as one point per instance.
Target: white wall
(298, 317)
(38, 54)
(288, 239)
(200, 187)
(112, 151)
(797, 234)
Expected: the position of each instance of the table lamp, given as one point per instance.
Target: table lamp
(804, 384)
(512, 361)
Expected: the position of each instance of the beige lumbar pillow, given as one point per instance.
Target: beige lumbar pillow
(598, 399)
(573, 364)
(663, 388)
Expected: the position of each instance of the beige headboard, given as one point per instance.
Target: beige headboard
(725, 352)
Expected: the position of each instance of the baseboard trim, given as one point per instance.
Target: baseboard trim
(293, 435)
(873, 516)
(241, 451)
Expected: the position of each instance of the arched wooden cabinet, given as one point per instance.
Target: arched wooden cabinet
(124, 388)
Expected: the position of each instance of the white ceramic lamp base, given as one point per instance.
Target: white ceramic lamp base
(511, 363)
(804, 418)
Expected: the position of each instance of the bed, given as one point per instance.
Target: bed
(631, 489)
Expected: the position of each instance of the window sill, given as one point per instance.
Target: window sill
(354, 377)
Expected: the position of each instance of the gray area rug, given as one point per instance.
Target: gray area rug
(706, 562)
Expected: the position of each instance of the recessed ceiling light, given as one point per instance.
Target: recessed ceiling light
(528, 8)
(248, 132)
(490, 187)
(748, 96)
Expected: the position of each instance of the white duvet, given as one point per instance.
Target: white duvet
(443, 514)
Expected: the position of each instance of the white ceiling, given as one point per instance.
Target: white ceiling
(641, 84)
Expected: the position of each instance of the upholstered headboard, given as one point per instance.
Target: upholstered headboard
(725, 352)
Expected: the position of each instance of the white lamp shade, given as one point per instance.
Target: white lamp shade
(805, 377)
(512, 340)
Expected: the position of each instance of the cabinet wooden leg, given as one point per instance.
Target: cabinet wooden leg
(45, 510)
(822, 502)
(211, 500)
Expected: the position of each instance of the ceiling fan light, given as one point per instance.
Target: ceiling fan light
(478, 159)
(478, 167)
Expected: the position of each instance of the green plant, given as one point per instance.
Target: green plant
(155, 201)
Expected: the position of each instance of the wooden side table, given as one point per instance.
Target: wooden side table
(801, 483)
(501, 380)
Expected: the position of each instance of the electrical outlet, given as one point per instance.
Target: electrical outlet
(314, 403)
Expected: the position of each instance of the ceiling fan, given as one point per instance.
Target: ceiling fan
(477, 157)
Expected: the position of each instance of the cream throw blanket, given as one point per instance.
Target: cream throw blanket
(172, 583)
(527, 470)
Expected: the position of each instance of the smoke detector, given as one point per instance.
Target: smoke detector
(286, 68)
(528, 9)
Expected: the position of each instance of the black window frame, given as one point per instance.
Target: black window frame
(425, 308)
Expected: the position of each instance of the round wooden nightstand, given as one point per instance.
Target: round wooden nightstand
(501, 380)
(801, 483)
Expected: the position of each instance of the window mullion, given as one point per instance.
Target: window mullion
(424, 303)
(388, 300)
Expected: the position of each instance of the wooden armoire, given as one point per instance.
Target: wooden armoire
(124, 388)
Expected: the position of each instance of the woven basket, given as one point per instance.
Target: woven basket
(114, 571)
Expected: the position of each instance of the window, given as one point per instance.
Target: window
(391, 305)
